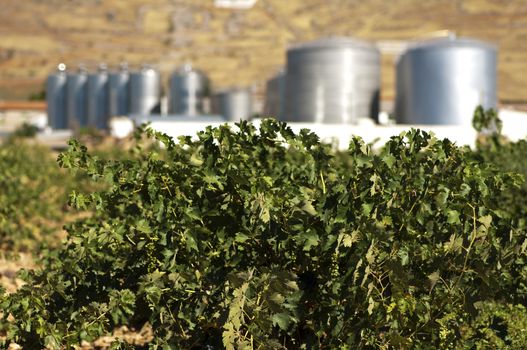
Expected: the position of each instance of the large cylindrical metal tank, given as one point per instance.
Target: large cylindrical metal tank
(76, 107)
(334, 80)
(119, 92)
(275, 96)
(97, 98)
(56, 98)
(233, 104)
(145, 91)
(442, 81)
(188, 89)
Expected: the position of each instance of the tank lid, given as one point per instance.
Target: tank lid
(146, 67)
(187, 68)
(102, 68)
(232, 89)
(451, 41)
(335, 42)
(82, 68)
(278, 73)
(61, 67)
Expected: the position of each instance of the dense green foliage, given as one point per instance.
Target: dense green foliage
(25, 130)
(265, 239)
(33, 194)
(493, 147)
(34, 191)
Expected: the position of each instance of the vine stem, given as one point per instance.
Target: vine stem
(323, 182)
(469, 248)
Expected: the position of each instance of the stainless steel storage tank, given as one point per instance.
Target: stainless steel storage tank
(145, 91)
(334, 80)
(442, 81)
(97, 98)
(275, 96)
(76, 88)
(119, 92)
(56, 98)
(233, 104)
(188, 88)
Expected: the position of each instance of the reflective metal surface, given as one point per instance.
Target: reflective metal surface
(97, 99)
(76, 88)
(233, 104)
(335, 80)
(274, 96)
(188, 88)
(56, 98)
(145, 91)
(442, 81)
(119, 92)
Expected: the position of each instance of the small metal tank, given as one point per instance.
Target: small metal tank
(188, 89)
(442, 81)
(97, 98)
(145, 91)
(119, 92)
(233, 104)
(334, 80)
(76, 88)
(274, 96)
(56, 98)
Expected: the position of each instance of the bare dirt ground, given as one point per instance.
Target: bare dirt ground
(9, 266)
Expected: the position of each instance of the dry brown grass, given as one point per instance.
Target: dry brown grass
(240, 47)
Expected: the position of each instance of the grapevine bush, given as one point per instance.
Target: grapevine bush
(250, 238)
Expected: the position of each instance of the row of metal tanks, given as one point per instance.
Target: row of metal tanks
(439, 81)
(80, 99)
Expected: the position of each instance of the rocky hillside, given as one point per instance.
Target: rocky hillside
(238, 47)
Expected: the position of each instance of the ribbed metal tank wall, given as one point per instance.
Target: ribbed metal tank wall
(76, 89)
(442, 81)
(119, 92)
(234, 104)
(56, 98)
(188, 88)
(145, 91)
(274, 96)
(335, 80)
(97, 98)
